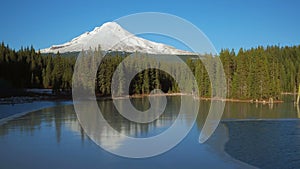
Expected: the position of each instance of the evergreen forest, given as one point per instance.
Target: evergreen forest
(256, 73)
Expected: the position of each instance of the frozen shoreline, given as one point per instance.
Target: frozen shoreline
(11, 111)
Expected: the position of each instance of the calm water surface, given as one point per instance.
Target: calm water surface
(252, 135)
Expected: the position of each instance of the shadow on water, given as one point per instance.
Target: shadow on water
(271, 142)
(268, 144)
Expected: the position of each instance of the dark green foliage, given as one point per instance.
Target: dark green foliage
(261, 73)
(257, 73)
(27, 68)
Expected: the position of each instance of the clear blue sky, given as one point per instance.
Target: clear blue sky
(228, 23)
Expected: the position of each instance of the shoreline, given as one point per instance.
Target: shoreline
(245, 100)
(68, 97)
(199, 98)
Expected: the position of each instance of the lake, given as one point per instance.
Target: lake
(249, 136)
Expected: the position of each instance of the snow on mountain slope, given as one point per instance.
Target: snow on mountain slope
(108, 36)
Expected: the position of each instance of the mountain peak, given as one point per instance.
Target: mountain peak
(111, 36)
(107, 25)
(111, 25)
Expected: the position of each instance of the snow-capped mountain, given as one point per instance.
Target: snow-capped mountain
(111, 36)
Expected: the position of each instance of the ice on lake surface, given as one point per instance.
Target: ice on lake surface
(53, 138)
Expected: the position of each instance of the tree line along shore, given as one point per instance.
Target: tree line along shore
(257, 74)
